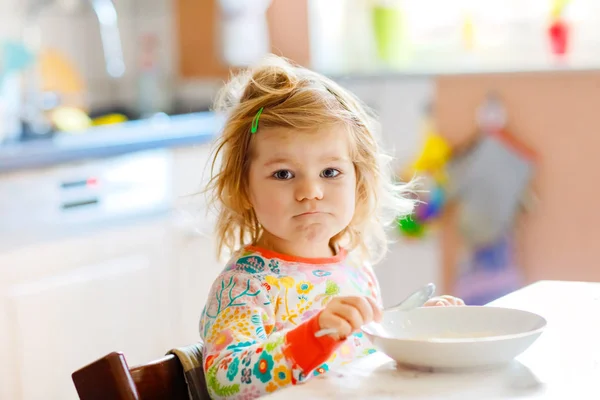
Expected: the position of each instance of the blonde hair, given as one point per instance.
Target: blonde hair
(295, 97)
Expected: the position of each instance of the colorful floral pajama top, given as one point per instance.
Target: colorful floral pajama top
(259, 322)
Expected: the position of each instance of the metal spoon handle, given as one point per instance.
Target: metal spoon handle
(324, 332)
(414, 300)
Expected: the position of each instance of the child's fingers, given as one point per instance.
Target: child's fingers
(444, 301)
(330, 320)
(431, 302)
(455, 301)
(351, 314)
(377, 312)
(437, 302)
(362, 305)
(459, 302)
(343, 327)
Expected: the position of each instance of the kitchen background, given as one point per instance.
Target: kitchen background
(105, 133)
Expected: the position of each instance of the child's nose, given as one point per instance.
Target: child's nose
(309, 189)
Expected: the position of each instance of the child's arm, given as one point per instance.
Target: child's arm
(243, 353)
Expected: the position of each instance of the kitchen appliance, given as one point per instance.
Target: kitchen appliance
(75, 198)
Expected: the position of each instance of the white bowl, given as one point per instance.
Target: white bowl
(456, 337)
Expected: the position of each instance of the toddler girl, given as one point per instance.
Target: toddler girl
(303, 194)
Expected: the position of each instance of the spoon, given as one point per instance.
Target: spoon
(416, 299)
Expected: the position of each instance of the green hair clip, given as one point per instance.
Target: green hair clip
(255, 121)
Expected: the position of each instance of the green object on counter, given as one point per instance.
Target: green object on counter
(409, 227)
(387, 23)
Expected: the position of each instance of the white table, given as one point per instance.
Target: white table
(564, 363)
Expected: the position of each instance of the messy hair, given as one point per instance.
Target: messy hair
(294, 97)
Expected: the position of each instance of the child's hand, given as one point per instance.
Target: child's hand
(348, 314)
(444, 301)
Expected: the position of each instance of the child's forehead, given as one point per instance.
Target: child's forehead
(278, 142)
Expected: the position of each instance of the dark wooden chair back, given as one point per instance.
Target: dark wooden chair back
(109, 378)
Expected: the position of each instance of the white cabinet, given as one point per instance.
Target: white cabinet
(197, 268)
(63, 305)
(136, 285)
(195, 256)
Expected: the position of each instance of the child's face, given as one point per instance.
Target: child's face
(302, 186)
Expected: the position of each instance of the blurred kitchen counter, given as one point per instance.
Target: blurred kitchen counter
(161, 131)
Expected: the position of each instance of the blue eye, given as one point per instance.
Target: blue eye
(330, 173)
(283, 175)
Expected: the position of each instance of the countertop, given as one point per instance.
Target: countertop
(564, 363)
(111, 140)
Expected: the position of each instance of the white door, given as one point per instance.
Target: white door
(197, 267)
(195, 256)
(63, 305)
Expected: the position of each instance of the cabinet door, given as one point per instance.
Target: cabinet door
(117, 297)
(195, 260)
(197, 267)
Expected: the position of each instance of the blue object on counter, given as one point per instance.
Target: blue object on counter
(14, 57)
(110, 140)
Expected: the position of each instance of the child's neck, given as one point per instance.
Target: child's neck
(297, 249)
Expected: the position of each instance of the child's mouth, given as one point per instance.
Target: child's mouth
(308, 213)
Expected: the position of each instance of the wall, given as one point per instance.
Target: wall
(556, 114)
(76, 34)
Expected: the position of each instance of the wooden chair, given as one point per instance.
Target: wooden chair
(109, 378)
